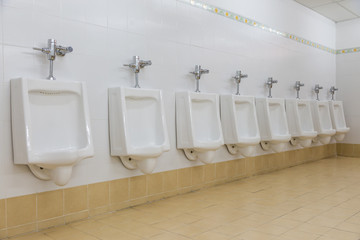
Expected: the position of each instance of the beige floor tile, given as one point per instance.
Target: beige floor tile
(299, 235)
(272, 229)
(343, 235)
(350, 227)
(211, 235)
(254, 235)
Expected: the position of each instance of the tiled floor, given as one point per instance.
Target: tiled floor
(320, 200)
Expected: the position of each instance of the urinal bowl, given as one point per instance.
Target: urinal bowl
(50, 126)
(239, 124)
(299, 118)
(273, 125)
(137, 126)
(338, 120)
(198, 125)
(322, 121)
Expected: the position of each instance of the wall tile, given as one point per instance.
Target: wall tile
(50, 204)
(170, 180)
(209, 172)
(75, 199)
(155, 183)
(197, 175)
(184, 177)
(2, 214)
(221, 170)
(21, 210)
(119, 190)
(98, 195)
(138, 187)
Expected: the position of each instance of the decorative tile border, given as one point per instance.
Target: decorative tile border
(348, 50)
(253, 23)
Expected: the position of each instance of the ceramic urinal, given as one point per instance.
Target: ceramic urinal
(322, 120)
(239, 124)
(299, 118)
(138, 132)
(198, 125)
(273, 125)
(50, 127)
(338, 119)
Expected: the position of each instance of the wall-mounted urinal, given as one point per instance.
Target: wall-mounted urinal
(338, 117)
(198, 123)
(299, 118)
(50, 127)
(137, 125)
(321, 118)
(239, 121)
(50, 122)
(274, 131)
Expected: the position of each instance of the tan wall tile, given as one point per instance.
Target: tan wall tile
(241, 167)
(184, 177)
(347, 150)
(137, 187)
(356, 150)
(21, 210)
(221, 170)
(3, 233)
(231, 169)
(250, 166)
(75, 199)
(339, 148)
(209, 172)
(197, 175)
(170, 180)
(155, 183)
(119, 190)
(98, 195)
(2, 214)
(50, 204)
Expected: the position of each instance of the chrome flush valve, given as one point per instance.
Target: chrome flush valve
(297, 87)
(270, 83)
(238, 78)
(333, 89)
(198, 72)
(136, 66)
(51, 51)
(317, 90)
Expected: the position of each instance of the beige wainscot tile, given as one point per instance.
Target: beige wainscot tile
(2, 214)
(347, 150)
(170, 180)
(51, 223)
(50, 204)
(184, 177)
(155, 183)
(197, 175)
(21, 210)
(138, 187)
(27, 228)
(75, 199)
(98, 195)
(221, 170)
(209, 172)
(339, 148)
(231, 169)
(241, 167)
(119, 190)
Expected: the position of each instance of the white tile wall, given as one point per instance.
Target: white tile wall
(175, 36)
(347, 76)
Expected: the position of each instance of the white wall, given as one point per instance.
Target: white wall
(348, 76)
(175, 36)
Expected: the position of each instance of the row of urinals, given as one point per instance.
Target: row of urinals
(51, 125)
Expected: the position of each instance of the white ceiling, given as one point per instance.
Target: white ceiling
(336, 10)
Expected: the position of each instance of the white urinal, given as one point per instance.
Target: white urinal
(138, 132)
(239, 124)
(338, 119)
(299, 118)
(322, 120)
(50, 127)
(198, 125)
(273, 125)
